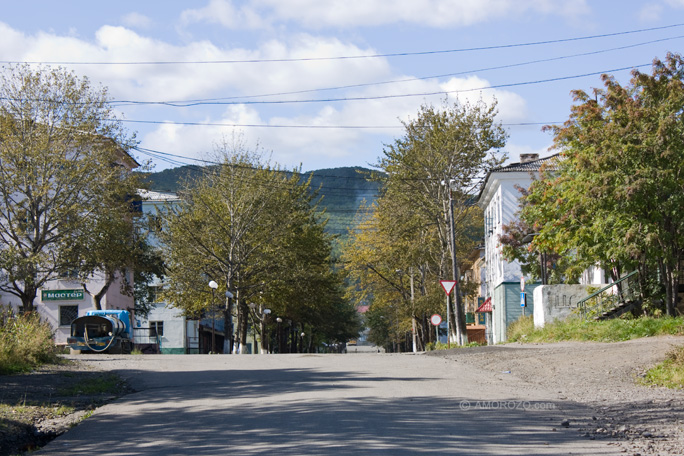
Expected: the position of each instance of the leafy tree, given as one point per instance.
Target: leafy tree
(443, 156)
(253, 229)
(59, 143)
(517, 245)
(616, 196)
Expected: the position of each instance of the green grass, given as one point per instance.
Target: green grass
(614, 330)
(669, 373)
(101, 385)
(440, 346)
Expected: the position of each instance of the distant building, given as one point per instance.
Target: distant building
(499, 201)
(165, 328)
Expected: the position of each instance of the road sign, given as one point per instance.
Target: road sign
(523, 300)
(448, 285)
(436, 319)
(522, 283)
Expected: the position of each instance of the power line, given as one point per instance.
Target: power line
(204, 170)
(375, 97)
(423, 78)
(314, 127)
(352, 57)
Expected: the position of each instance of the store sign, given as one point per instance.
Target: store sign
(62, 295)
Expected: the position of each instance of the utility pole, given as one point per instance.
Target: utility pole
(413, 315)
(459, 314)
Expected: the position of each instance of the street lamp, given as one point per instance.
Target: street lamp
(279, 335)
(213, 285)
(264, 337)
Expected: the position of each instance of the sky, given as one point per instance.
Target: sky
(327, 83)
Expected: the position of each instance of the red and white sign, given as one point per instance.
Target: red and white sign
(448, 285)
(436, 320)
(522, 283)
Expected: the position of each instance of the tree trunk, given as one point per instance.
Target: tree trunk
(242, 326)
(27, 299)
(671, 288)
(97, 297)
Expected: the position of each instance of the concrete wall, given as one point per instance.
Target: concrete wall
(553, 302)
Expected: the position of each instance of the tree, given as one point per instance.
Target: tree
(116, 246)
(59, 143)
(442, 158)
(547, 266)
(616, 196)
(251, 228)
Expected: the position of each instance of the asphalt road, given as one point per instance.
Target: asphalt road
(359, 404)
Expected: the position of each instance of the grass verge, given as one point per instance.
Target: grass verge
(669, 373)
(100, 385)
(614, 330)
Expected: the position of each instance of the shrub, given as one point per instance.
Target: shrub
(25, 342)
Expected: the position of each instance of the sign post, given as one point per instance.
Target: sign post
(523, 301)
(436, 320)
(448, 285)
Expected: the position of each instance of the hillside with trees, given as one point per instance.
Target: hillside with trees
(341, 191)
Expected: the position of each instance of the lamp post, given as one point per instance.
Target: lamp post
(213, 285)
(279, 335)
(228, 324)
(264, 335)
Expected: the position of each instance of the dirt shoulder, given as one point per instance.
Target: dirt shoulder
(638, 419)
(37, 407)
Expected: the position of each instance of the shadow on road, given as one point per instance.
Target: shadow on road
(305, 411)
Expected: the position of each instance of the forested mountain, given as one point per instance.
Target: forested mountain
(341, 190)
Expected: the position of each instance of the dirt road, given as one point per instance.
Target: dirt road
(604, 376)
(557, 399)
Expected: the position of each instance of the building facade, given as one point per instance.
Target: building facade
(499, 199)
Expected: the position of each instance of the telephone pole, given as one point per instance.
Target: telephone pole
(459, 314)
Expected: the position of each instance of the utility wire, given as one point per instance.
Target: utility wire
(375, 97)
(439, 76)
(314, 127)
(353, 57)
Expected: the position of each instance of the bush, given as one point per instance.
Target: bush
(25, 342)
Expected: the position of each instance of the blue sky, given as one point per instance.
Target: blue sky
(292, 45)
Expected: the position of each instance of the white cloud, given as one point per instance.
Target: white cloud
(223, 12)
(136, 20)
(650, 12)
(359, 13)
(179, 82)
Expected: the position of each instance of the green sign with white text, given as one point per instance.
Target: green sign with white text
(61, 295)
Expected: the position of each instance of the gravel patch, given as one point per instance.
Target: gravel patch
(637, 419)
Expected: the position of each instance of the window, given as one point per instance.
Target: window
(156, 328)
(154, 293)
(67, 314)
